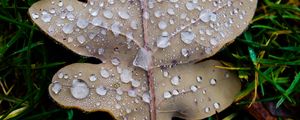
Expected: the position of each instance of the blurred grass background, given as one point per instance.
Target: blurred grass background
(266, 57)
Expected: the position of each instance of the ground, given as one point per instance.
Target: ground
(266, 57)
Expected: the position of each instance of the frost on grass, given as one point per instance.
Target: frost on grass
(148, 49)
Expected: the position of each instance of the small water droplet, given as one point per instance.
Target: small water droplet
(126, 76)
(163, 42)
(207, 109)
(46, 17)
(124, 14)
(115, 61)
(56, 87)
(82, 23)
(60, 75)
(162, 25)
(184, 52)
(135, 83)
(213, 82)
(104, 73)
(187, 37)
(79, 89)
(96, 21)
(93, 77)
(206, 16)
(194, 88)
(216, 105)
(35, 15)
(132, 93)
(101, 90)
(199, 79)
(81, 39)
(175, 80)
(175, 92)
(68, 28)
(108, 14)
(167, 95)
(146, 97)
(118, 106)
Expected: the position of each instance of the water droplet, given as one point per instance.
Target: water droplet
(79, 89)
(175, 80)
(213, 82)
(187, 37)
(115, 28)
(134, 24)
(162, 25)
(70, 8)
(82, 23)
(163, 42)
(100, 51)
(184, 52)
(206, 16)
(171, 11)
(128, 110)
(132, 93)
(35, 15)
(194, 88)
(115, 61)
(146, 97)
(104, 73)
(81, 39)
(143, 59)
(206, 109)
(175, 92)
(124, 14)
(96, 21)
(60, 75)
(199, 79)
(119, 91)
(216, 105)
(68, 28)
(126, 76)
(108, 14)
(167, 95)
(56, 87)
(101, 90)
(135, 83)
(46, 17)
(93, 77)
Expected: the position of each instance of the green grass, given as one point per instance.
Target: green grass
(266, 57)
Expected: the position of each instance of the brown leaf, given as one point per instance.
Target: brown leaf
(150, 34)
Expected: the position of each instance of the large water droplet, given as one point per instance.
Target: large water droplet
(79, 89)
